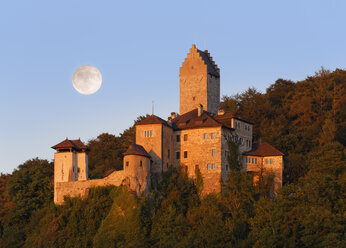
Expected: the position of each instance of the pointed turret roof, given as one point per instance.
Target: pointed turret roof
(135, 149)
(77, 145)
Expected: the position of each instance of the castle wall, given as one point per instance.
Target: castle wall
(82, 163)
(153, 145)
(213, 94)
(275, 167)
(167, 147)
(136, 176)
(244, 133)
(81, 188)
(200, 153)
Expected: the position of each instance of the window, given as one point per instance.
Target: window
(255, 160)
(178, 138)
(177, 155)
(168, 153)
(205, 136)
(185, 154)
(210, 166)
(213, 152)
(185, 137)
(252, 160)
(127, 163)
(140, 163)
(270, 161)
(148, 133)
(212, 135)
(266, 161)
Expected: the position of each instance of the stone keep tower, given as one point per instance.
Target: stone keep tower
(199, 82)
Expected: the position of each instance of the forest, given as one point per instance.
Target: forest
(306, 120)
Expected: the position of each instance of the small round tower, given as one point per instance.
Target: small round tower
(137, 168)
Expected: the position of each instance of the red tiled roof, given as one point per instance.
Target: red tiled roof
(135, 149)
(71, 144)
(191, 120)
(152, 119)
(227, 117)
(264, 149)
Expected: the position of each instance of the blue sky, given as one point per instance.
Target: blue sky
(138, 46)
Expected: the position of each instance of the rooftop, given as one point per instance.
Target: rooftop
(77, 145)
(263, 149)
(135, 149)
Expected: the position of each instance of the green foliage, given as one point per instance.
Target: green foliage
(305, 120)
(30, 187)
(106, 151)
(125, 225)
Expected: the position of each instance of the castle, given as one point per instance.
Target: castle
(196, 138)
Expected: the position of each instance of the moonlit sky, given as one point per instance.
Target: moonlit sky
(138, 46)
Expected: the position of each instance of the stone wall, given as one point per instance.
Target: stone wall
(275, 167)
(200, 154)
(193, 82)
(243, 133)
(213, 94)
(136, 176)
(153, 145)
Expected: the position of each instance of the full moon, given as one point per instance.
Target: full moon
(87, 79)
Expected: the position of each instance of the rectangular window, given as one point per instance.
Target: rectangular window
(148, 133)
(185, 137)
(213, 152)
(255, 160)
(266, 161)
(169, 153)
(127, 163)
(205, 136)
(270, 161)
(185, 154)
(140, 163)
(249, 160)
(177, 155)
(210, 166)
(178, 138)
(252, 160)
(212, 135)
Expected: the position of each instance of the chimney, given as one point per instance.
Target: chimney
(221, 112)
(200, 109)
(173, 115)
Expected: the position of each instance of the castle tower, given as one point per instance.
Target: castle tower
(137, 169)
(70, 162)
(199, 82)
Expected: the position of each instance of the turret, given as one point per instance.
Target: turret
(70, 161)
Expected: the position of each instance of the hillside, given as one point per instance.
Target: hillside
(306, 120)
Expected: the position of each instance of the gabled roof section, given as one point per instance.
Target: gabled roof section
(227, 118)
(135, 149)
(208, 60)
(76, 145)
(191, 120)
(152, 119)
(263, 150)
